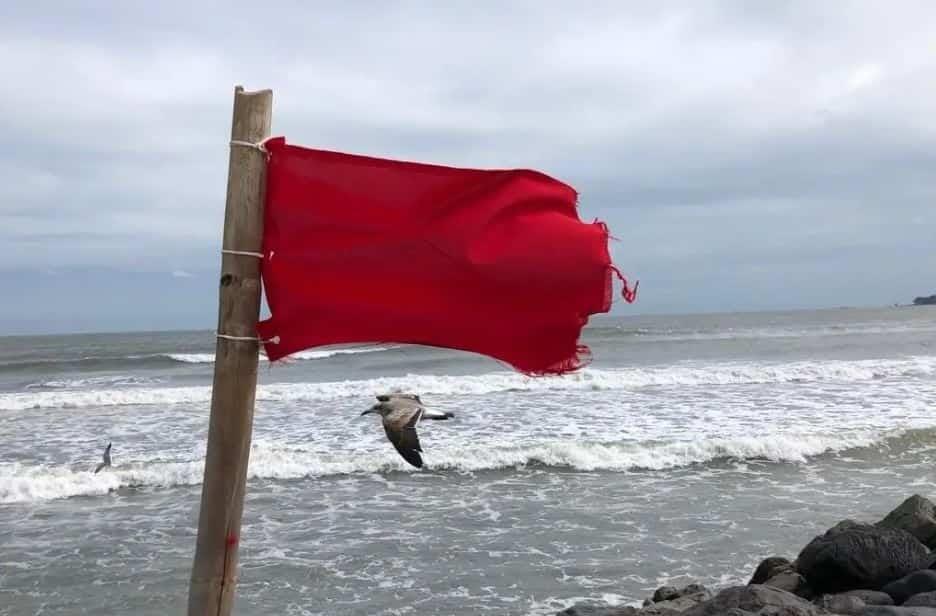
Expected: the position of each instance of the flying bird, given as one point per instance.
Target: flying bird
(107, 460)
(401, 413)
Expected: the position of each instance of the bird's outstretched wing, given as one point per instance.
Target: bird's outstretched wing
(400, 426)
(106, 460)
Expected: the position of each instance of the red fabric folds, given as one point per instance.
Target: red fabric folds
(359, 249)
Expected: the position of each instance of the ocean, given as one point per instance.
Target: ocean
(691, 448)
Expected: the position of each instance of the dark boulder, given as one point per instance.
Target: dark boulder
(913, 584)
(669, 593)
(754, 599)
(664, 608)
(685, 598)
(890, 610)
(853, 556)
(591, 609)
(665, 593)
(871, 597)
(769, 567)
(917, 516)
(923, 599)
(667, 601)
(841, 604)
(793, 582)
(694, 589)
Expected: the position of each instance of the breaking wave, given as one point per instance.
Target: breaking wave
(685, 375)
(159, 360)
(208, 358)
(96, 381)
(23, 483)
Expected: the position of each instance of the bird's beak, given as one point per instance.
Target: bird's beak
(368, 411)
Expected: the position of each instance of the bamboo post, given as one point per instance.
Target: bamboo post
(214, 571)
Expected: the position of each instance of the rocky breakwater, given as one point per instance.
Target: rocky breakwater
(854, 569)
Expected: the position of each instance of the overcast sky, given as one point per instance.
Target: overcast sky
(749, 155)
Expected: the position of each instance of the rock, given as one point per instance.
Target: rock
(590, 609)
(678, 601)
(871, 597)
(668, 593)
(663, 608)
(841, 604)
(769, 567)
(845, 525)
(654, 609)
(852, 556)
(923, 599)
(913, 584)
(791, 581)
(853, 602)
(890, 610)
(694, 589)
(682, 602)
(754, 599)
(917, 516)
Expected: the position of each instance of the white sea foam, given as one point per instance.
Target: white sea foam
(95, 382)
(208, 358)
(680, 375)
(22, 483)
(192, 358)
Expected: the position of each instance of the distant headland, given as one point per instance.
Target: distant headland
(925, 301)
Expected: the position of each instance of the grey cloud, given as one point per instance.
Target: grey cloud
(732, 143)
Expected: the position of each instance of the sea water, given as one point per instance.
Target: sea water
(692, 447)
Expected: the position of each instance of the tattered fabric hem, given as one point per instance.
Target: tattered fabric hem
(581, 359)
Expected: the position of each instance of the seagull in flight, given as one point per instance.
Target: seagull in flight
(107, 460)
(401, 413)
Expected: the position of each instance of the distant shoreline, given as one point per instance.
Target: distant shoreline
(595, 320)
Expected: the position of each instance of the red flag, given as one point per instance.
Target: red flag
(360, 249)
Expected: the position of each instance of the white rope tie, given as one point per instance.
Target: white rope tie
(255, 146)
(273, 340)
(246, 253)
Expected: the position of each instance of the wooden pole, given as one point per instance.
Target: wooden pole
(214, 572)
